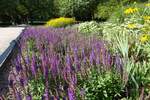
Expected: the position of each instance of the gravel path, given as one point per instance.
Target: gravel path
(7, 35)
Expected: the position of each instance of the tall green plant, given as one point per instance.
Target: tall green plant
(8, 10)
(137, 79)
(104, 86)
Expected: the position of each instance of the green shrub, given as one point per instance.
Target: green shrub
(81, 9)
(60, 22)
(117, 16)
(88, 28)
(104, 86)
(105, 9)
(37, 87)
(138, 79)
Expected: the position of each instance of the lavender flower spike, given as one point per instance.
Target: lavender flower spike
(18, 96)
(29, 97)
(33, 65)
(68, 62)
(22, 81)
(71, 94)
(11, 82)
(92, 57)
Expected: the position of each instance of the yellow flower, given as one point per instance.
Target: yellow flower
(60, 22)
(146, 18)
(144, 38)
(131, 26)
(148, 4)
(130, 10)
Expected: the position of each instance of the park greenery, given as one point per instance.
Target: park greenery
(86, 50)
(27, 11)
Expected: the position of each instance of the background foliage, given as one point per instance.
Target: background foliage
(81, 9)
(23, 11)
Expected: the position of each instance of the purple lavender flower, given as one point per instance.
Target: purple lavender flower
(92, 57)
(29, 97)
(33, 65)
(54, 65)
(52, 98)
(104, 56)
(11, 82)
(43, 98)
(74, 79)
(18, 64)
(1, 98)
(76, 51)
(18, 68)
(68, 62)
(84, 60)
(27, 60)
(46, 95)
(64, 98)
(18, 96)
(109, 59)
(76, 59)
(46, 72)
(118, 64)
(43, 62)
(71, 94)
(76, 54)
(83, 53)
(22, 81)
(82, 92)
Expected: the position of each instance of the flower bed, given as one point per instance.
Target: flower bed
(51, 61)
(67, 64)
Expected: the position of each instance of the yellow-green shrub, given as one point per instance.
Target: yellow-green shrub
(60, 22)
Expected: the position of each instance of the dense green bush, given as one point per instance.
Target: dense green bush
(81, 9)
(105, 9)
(117, 16)
(98, 86)
(37, 87)
(138, 79)
(42, 10)
(90, 28)
(7, 10)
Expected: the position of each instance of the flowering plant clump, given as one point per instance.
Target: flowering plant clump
(144, 38)
(148, 4)
(146, 18)
(130, 10)
(89, 28)
(131, 26)
(60, 22)
(51, 61)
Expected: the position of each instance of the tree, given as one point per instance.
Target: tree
(7, 10)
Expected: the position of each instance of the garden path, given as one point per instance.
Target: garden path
(7, 35)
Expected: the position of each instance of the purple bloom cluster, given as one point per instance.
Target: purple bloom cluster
(59, 55)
